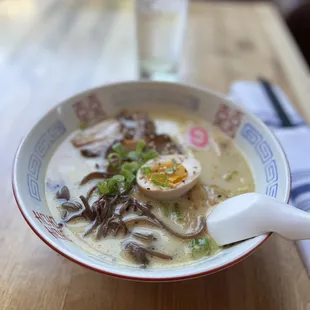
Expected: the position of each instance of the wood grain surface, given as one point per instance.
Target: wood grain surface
(52, 49)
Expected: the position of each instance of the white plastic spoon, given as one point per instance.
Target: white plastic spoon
(254, 214)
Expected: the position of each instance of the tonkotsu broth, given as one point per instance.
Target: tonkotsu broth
(225, 173)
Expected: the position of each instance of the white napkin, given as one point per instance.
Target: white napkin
(295, 141)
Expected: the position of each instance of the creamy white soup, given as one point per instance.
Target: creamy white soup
(135, 190)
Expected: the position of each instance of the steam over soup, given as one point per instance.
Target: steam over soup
(137, 189)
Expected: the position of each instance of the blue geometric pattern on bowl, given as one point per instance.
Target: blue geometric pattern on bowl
(40, 150)
(262, 148)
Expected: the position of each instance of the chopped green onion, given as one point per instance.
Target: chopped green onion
(113, 156)
(165, 210)
(119, 159)
(118, 178)
(200, 247)
(103, 187)
(129, 177)
(160, 180)
(173, 169)
(126, 173)
(148, 155)
(146, 170)
(129, 171)
(114, 160)
(120, 150)
(140, 146)
(228, 176)
(133, 156)
(133, 167)
(111, 185)
(129, 180)
(142, 154)
(177, 212)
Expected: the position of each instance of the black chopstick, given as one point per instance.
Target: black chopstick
(285, 121)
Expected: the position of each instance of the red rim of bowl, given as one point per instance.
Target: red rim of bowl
(170, 279)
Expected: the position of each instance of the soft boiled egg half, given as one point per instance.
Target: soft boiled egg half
(168, 176)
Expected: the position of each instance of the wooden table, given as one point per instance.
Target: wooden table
(51, 49)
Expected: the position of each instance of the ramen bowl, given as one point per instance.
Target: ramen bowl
(260, 148)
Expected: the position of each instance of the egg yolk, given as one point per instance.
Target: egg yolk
(169, 173)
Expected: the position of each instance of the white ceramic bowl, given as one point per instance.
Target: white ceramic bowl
(263, 152)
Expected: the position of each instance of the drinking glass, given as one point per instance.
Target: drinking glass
(160, 26)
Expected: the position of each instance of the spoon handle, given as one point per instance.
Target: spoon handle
(252, 214)
(285, 220)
